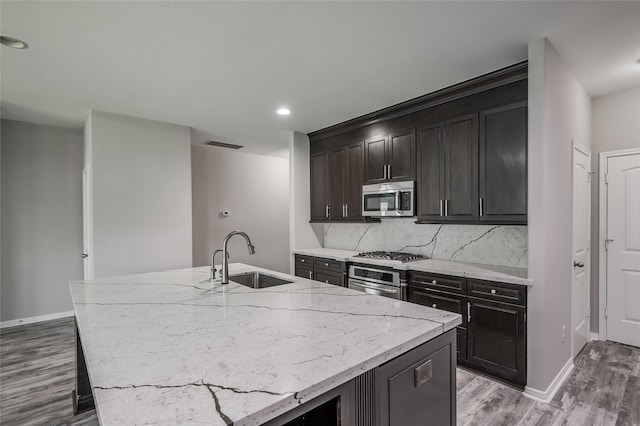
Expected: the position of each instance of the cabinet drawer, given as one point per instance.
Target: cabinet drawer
(328, 264)
(329, 278)
(306, 261)
(503, 292)
(438, 282)
(304, 272)
(446, 302)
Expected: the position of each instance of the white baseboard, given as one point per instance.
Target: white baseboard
(547, 395)
(594, 336)
(31, 320)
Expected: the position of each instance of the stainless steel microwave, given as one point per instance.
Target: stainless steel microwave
(391, 199)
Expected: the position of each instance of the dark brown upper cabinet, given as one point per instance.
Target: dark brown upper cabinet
(465, 145)
(336, 184)
(430, 186)
(320, 186)
(461, 169)
(391, 157)
(448, 170)
(503, 164)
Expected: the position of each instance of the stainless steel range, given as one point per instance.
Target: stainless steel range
(379, 280)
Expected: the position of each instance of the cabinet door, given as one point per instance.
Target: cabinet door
(461, 168)
(375, 159)
(430, 185)
(337, 173)
(355, 174)
(503, 164)
(419, 387)
(319, 186)
(401, 156)
(497, 339)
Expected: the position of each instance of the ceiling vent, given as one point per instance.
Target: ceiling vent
(224, 145)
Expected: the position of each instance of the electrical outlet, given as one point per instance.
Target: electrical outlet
(564, 333)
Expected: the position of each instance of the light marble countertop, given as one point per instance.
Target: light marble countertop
(506, 274)
(168, 348)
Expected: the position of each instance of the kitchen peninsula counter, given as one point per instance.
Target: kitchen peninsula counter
(173, 348)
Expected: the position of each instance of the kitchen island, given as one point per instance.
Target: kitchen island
(174, 348)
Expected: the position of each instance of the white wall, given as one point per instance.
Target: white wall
(41, 218)
(255, 190)
(302, 233)
(559, 111)
(615, 126)
(141, 194)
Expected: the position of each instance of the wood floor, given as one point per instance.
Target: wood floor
(37, 370)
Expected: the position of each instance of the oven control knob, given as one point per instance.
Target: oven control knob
(434, 305)
(434, 282)
(493, 291)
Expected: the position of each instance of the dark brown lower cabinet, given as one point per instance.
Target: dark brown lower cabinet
(419, 387)
(497, 339)
(492, 337)
(448, 302)
(320, 269)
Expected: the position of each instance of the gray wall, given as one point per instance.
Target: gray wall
(140, 185)
(41, 218)
(559, 112)
(255, 190)
(615, 126)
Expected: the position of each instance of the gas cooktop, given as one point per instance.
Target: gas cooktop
(391, 255)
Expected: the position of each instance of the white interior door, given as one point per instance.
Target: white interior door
(623, 249)
(581, 247)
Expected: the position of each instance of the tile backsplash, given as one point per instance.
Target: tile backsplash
(504, 245)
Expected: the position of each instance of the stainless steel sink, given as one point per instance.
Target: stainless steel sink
(257, 280)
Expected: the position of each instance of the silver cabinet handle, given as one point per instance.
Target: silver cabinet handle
(301, 260)
(343, 210)
(578, 264)
(493, 291)
(384, 171)
(446, 207)
(398, 201)
(441, 207)
(326, 264)
(434, 305)
(434, 282)
(326, 281)
(326, 209)
(389, 171)
(481, 207)
(468, 311)
(310, 275)
(346, 210)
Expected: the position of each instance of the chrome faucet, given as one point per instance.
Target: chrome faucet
(213, 265)
(225, 255)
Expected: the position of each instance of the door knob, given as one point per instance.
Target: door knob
(578, 264)
(85, 255)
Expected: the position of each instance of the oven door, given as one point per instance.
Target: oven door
(377, 289)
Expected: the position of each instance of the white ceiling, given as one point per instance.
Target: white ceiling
(223, 68)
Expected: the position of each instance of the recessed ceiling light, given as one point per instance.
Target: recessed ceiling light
(13, 42)
(283, 111)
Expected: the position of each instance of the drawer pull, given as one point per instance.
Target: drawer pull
(326, 281)
(434, 306)
(422, 374)
(326, 264)
(434, 282)
(301, 260)
(493, 291)
(310, 275)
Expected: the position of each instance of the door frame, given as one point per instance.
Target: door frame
(577, 147)
(602, 235)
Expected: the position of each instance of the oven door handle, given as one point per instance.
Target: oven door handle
(371, 288)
